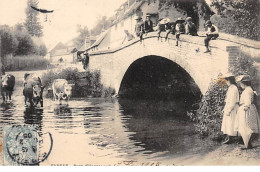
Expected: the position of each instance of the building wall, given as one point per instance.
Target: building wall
(117, 30)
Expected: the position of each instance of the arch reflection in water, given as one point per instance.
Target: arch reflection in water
(162, 129)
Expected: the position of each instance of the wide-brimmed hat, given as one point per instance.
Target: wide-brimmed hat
(138, 18)
(228, 75)
(188, 19)
(242, 78)
(148, 15)
(208, 23)
(180, 20)
(165, 21)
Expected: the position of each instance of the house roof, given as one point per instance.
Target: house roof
(63, 51)
(100, 39)
(60, 45)
(129, 11)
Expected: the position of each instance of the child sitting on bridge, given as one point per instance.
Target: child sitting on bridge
(212, 34)
(139, 31)
(180, 29)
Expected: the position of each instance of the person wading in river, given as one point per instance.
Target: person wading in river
(230, 109)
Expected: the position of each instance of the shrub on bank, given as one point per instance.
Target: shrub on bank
(85, 83)
(18, 63)
(208, 118)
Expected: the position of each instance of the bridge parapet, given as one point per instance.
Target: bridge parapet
(202, 67)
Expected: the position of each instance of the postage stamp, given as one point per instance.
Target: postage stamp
(24, 145)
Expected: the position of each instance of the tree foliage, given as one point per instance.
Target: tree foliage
(80, 39)
(9, 42)
(238, 17)
(191, 8)
(25, 42)
(18, 42)
(32, 21)
(102, 23)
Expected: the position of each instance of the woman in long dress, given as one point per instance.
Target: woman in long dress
(248, 118)
(230, 109)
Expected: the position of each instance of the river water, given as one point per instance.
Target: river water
(101, 131)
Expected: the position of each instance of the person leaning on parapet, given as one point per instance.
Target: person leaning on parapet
(148, 24)
(139, 31)
(211, 34)
(190, 27)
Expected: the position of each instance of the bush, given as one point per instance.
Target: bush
(85, 83)
(208, 118)
(238, 17)
(26, 63)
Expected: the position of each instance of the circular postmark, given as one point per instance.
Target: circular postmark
(26, 146)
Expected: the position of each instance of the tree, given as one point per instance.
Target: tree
(80, 39)
(103, 23)
(191, 8)
(25, 42)
(238, 17)
(32, 21)
(42, 50)
(8, 41)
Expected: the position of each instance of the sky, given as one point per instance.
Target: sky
(62, 24)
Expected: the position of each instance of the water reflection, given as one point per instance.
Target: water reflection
(129, 129)
(161, 126)
(63, 110)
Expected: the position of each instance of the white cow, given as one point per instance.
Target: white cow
(61, 90)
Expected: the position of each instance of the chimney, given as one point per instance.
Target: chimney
(87, 42)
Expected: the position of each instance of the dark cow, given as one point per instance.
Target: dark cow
(33, 89)
(8, 83)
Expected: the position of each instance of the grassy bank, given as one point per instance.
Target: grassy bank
(19, 63)
(85, 84)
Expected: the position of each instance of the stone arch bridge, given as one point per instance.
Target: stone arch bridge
(189, 55)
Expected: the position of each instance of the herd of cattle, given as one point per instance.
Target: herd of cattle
(33, 89)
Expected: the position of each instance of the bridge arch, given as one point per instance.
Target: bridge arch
(202, 67)
(157, 77)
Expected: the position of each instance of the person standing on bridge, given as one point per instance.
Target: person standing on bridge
(190, 27)
(139, 31)
(211, 34)
(230, 109)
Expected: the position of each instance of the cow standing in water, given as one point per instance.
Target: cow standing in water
(33, 90)
(61, 90)
(8, 83)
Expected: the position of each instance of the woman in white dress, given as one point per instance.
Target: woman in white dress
(230, 109)
(248, 118)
